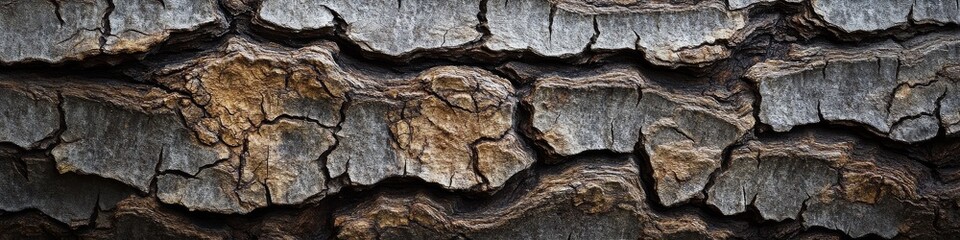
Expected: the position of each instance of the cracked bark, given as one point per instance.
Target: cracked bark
(482, 119)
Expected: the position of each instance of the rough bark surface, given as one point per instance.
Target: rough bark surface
(479, 119)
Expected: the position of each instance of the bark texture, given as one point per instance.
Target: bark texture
(479, 119)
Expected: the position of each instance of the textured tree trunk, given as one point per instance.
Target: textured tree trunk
(490, 119)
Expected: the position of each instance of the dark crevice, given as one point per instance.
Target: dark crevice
(647, 180)
(105, 27)
(232, 20)
(553, 14)
(596, 35)
(725, 162)
(325, 156)
(56, 9)
(96, 212)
